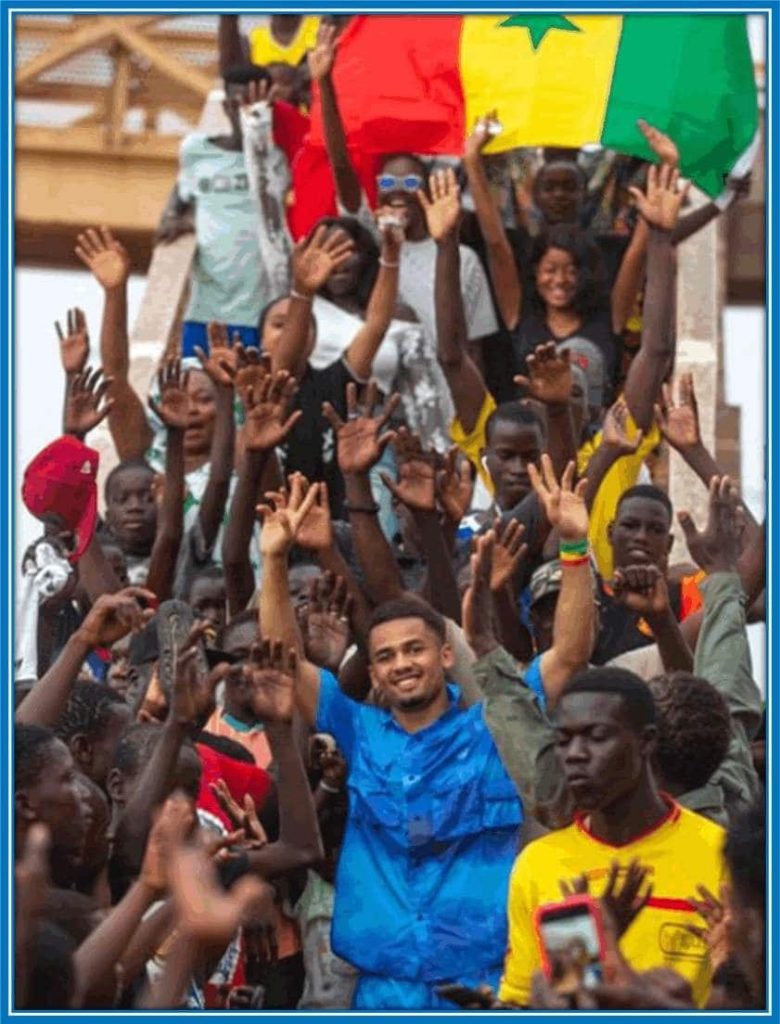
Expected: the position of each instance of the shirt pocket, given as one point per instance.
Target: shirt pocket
(501, 806)
(467, 806)
(374, 806)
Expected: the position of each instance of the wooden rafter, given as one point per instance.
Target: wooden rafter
(188, 77)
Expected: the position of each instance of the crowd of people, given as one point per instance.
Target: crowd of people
(377, 667)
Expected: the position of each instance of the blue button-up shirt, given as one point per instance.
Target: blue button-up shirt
(421, 889)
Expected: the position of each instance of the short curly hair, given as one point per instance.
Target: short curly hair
(32, 746)
(694, 729)
(88, 711)
(591, 284)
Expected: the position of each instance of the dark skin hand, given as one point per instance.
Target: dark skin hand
(85, 391)
(325, 621)
(74, 344)
(643, 590)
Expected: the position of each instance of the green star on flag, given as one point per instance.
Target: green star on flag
(539, 25)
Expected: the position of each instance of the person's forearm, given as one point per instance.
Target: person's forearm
(231, 47)
(656, 353)
(47, 700)
(291, 344)
(168, 992)
(380, 569)
(463, 377)
(572, 630)
(512, 633)
(675, 653)
(277, 617)
(95, 573)
(629, 278)
(501, 262)
(239, 577)
(561, 442)
(127, 421)
(212, 507)
(694, 221)
(442, 581)
(362, 351)
(95, 959)
(148, 937)
(170, 524)
(347, 182)
(602, 460)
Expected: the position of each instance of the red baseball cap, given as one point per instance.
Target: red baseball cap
(62, 480)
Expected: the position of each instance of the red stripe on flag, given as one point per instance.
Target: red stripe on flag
(397, 79)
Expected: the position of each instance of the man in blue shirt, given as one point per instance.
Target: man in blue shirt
(433, 822)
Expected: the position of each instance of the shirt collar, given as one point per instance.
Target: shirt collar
(454, 694)
(240, 726)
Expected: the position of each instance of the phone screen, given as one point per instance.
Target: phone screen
(571, 939)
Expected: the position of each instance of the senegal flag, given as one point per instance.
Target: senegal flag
(418, 83)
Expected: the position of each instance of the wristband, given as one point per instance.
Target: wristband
(388, 264)
(298, 295)
(369, 510)
(328, 788)
(573, 561)
(573, 548)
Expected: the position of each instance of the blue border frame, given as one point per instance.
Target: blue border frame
(769, 8)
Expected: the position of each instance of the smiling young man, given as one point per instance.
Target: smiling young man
(606, 736)
(433, 816)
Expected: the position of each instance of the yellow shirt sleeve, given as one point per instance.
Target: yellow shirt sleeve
(622, 475)
(473, 443)
(522, 958)
(264, 49)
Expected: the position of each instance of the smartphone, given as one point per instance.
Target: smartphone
(571, 940)
(467, 998)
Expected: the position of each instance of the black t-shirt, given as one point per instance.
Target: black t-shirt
(311, 446)
(619, 630)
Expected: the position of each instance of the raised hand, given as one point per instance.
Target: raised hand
(192, 696)
(259, 91)
(83, 396)
(334, 769)
(251, 369)
(455, 486)
(663, 147)
(392, 224)
(360, 441)
(266, 406)
(176, 817)
(271, 674)
(717, 547)
(508, 552)
(325, 621)
(622, 900)
(661, 202)
(416, 484)
(564, 507)
(315, 258)
(113, 616)
(220, 363)
(74, 346)
(614, 431)
(442, 210)
(282, 516)
(316, 530)
(551, 378)
(244, 818)
(321, 58)
(642, 589)
(717, 914)
(679, 424)
(485, 128)
(477, 607)
(105, 256)
(174, 405)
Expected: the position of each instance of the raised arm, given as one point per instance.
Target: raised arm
(615, 444)
(321, 60)
(550, 382)
(660, 208)
(108, 261)
(173, 410)
(313, 261)
(110, 618)
(642, 589)
(501, 262)
(232, 45)
(467, 386)
(736, 188)
(360, 443)
(267, 424)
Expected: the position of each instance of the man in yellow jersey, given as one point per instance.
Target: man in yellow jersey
(606, 734)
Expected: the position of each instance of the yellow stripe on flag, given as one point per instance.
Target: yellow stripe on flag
(554, 94)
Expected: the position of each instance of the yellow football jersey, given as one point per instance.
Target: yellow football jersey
(683, 851)
(264, 49)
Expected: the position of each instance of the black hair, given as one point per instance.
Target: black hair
(242, 74)
(52, 978)
(409, 607)
(115, 472)
(633, 691)
(89, 710)
(730, 978)
(694, 729)
(648, 492)
(224, 745)
(423, 166)
(587, 257)
(745, 854)
(518, 412)
(267, 309)
(248, 615)
(135, 747)
(365, 247)
(30, 753)
(208, 572)
(555, 156)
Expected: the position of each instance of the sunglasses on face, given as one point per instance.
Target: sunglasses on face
(392, 183)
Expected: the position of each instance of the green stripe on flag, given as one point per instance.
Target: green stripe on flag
(692, 77)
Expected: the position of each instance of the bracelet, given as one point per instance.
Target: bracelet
(328, 788)
(574, 548)
(388, 264)
(298, 295)
(369, 510)
(573, 562)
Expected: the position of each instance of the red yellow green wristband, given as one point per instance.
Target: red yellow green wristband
(571, 562)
